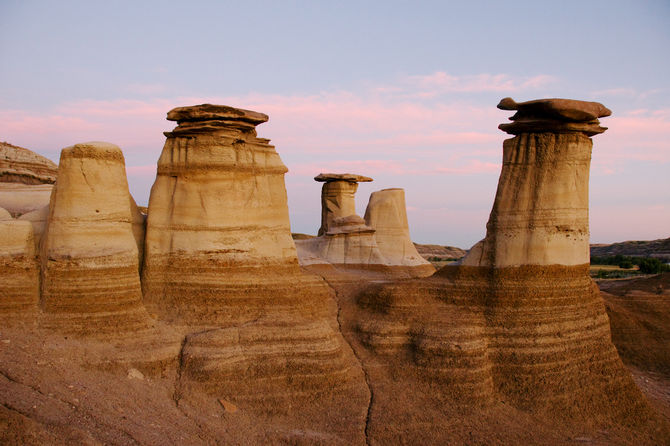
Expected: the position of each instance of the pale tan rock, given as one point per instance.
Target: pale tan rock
(338, 196)
(19, 198)
(4, 215)
(19, 273)
(90, 279)
(349, 241)
(19, 165)
(540, 214)
(386, 213)
(38, 218)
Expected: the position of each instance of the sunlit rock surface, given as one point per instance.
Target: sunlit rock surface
(89, 256)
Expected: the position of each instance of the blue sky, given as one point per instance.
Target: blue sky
(403, 92)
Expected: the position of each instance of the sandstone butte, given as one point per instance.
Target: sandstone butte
(242, 345)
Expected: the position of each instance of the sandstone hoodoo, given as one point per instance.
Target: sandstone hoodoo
(219, 254)
(387, 215)
(338, 196)
(347, 240)
(89, 256)
(532, 328)
(540, 214)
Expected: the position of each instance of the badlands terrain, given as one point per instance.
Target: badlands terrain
(202, 320)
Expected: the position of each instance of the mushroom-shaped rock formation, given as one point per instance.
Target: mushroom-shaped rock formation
(338, 196)
(19, 165)
(520, 321)
(90, 278)
(387, 215)
(19, 272)
(219, 254)
(540, 214)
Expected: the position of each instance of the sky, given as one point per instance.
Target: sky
(403, 92)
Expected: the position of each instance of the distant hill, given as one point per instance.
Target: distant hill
(442, 252)
(653, 248)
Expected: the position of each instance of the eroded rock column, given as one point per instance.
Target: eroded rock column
(219, 254)
(386, 213)
(338, 196)
(89, 255)
(540, 214)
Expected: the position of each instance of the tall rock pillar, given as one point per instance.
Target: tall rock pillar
(541, 211)
(219, 253)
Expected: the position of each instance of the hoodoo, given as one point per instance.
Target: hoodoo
(338, 196)
(387, 215)
(541, 210)
(219, 254)
(89, 255)
(532, 328)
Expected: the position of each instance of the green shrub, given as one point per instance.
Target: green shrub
(650, 265)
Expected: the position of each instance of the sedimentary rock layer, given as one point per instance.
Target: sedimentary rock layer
(19, 198)
(89, 256)
(19, 272)
(19, 165)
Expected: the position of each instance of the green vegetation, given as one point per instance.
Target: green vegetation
(619, 266)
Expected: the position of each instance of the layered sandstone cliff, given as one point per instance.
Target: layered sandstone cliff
(19, 165)
(89, 256)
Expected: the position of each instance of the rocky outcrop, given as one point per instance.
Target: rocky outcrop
(89, 256)
(219, 254)
(19, 165)
(524, 324)
(19, 273)
(387, 215)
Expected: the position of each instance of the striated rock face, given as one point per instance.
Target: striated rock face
(219, 253)
(90, 279)
(540, 214)
(19, 272)
(387, 215)
(218, 204)
(19, 165)
(525, 324)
